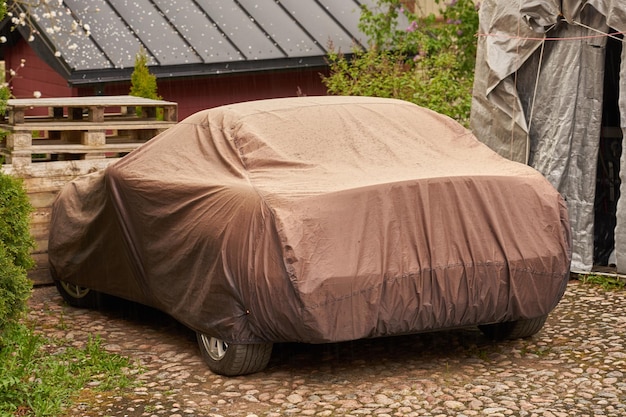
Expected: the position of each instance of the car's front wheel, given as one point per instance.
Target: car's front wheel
(232, 359)
(77, 296)
(517, 329)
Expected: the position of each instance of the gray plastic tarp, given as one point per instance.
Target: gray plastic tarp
(538, 98)
(317, 219)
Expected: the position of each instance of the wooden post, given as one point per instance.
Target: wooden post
(19, 140)
(16, 115)
(170, 113)
(19, 159)
(94, 138)
(96, 114)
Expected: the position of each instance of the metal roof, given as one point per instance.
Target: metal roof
(92, 41)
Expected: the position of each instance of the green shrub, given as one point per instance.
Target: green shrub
(5, 95)
(142, 82)
(16, 244)
(430, 62)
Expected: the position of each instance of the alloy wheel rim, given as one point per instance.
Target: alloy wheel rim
(74, 290)
(216, 348)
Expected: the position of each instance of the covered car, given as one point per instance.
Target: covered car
(315, 220)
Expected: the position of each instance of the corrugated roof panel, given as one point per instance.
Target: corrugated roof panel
(161, 40)
(348, 12)
(200, 31)
(319, 23)
(190, 37)
(114, 37)
(77, 49)
(282, 28)
(241, 29)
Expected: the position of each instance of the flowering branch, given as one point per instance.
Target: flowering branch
(46, 15)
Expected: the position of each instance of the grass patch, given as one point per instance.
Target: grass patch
(40, 377)
(607, 282)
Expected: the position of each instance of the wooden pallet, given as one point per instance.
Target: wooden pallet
(81, 127)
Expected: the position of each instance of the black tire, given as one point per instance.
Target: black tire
(233, 359)
(513, 329)
(77, 296)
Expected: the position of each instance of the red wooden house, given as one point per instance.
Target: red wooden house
(204, 52)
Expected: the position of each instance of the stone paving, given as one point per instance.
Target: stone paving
(576, 366)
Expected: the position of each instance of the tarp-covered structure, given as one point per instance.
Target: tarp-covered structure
(538, 98)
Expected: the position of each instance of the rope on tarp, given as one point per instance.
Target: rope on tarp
(571, 38)
(610, 35)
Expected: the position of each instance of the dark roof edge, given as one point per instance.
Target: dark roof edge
(78, 78)
(39, 44)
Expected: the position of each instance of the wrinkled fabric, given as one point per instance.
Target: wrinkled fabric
(620, 228)
(317, 219)
(540, 102)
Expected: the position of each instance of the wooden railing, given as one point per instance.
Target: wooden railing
(80, 127)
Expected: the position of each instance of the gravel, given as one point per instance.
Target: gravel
(576, 366)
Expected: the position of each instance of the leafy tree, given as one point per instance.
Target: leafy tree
(142, 82)
(429, 62)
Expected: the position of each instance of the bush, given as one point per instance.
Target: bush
(16, 244)
(430, 62)
(142, 82)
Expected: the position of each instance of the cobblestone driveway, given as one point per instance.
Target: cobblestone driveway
(576, 366)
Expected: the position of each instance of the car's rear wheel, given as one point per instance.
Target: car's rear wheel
(77, 296)
(513, 329)
(232, 359)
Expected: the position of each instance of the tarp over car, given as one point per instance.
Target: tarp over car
(317, 219)
(538, 99)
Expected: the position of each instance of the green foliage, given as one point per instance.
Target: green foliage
(5, 95)
(5, 92)
(430, 62)
(14, 220)
(607, 282)
(142, 82)
(38, 378)
(16, 244)
(15, 289)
